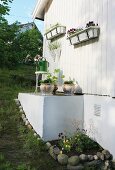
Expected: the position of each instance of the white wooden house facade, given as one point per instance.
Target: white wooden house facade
(91, 64)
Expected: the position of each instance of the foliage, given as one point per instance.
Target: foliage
(68, 82)
(28, 43)
(80, 142)
(51, 78)
(14, 45)
(4, 8)
(33, 145)
(83, 142)
(65, 143)
(54, 45)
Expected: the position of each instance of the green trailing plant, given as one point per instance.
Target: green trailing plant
(52, 78)
(54, 45)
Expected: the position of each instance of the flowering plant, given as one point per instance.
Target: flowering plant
(37, 58)
(73, 30)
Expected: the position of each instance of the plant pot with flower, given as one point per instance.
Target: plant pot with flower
(68, 88)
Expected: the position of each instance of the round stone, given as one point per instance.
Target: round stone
(23, 116)
(83, 157)
(26, 122)
(107, 154)
(56, 150)
(35, 134)
(21, 111)
(90, 157)
(73, 160)
(30, 126)
(52, 154)
(95, 157)
(62, 159)
(48, 145)
(24, 119)
(16, 100)
(20, 107)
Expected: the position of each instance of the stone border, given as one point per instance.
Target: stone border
(102, 159)
(25, 120)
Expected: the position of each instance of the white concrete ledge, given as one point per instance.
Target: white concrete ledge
(50, 115)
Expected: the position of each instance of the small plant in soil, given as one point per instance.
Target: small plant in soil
(78, 143)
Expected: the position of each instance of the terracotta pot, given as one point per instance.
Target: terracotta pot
(46, 88)
(68, 89)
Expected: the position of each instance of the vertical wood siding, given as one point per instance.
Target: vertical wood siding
(91, 64)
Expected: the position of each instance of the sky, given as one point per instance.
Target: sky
(21, 10)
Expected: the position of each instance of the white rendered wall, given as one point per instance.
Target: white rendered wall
(33, 108)
(51, 115)
(90, 64)
(99, 120)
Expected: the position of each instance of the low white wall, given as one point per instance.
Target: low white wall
(99, 120)
(33, 108)
(51, 115)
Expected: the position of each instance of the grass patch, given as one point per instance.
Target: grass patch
(20, 150)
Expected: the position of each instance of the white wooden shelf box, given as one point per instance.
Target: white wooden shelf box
(84, 35)
(55, 31)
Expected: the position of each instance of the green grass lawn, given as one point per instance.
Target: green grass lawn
(19, 149)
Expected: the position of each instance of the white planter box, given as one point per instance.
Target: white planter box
(74, 40)
(84, 35)
(93, 33)
(55, 32)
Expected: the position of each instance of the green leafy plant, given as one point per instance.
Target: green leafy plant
(54, 45)
(52, 78)
(82, 142)
(65, 143)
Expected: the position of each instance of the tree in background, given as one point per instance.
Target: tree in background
(14, 45)
(29, 42)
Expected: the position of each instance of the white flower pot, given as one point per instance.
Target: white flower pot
(46, 89)
(68, 89)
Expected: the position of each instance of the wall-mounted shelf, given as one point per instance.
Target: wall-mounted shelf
(55, 31)
(84, 35)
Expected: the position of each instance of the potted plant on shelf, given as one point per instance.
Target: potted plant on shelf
(68, 87)
(49, 85)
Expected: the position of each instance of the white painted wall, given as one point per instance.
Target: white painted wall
(33, 108)
(51, 115)
(91, 64)
(102, 127)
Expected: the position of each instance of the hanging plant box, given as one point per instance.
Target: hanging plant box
(84, 35)
(55, 31)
